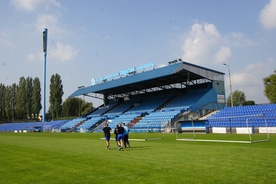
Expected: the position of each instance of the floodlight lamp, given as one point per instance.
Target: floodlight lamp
(45, 32)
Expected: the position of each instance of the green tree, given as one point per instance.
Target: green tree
(2, 102)
(238, 98)
(7, 96)
(76, 107)
(29, 96)
(10, 94)
(87, 107)
(71, 107)
(249, 102)
(56, 93)
(12, 105)
(21, 99)
(36, 98)
(270, 87)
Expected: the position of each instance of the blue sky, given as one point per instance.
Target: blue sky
(93, 38)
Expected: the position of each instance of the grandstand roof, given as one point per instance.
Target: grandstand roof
(179, 72)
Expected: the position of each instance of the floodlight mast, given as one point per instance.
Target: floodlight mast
(45, 36)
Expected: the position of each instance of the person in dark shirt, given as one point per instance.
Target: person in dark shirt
(120, 138)
(116, 134)
(106, 130)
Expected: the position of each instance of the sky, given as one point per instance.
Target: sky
(94, 38)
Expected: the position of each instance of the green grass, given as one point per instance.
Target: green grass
(82, 158)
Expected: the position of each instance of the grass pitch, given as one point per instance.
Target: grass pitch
(83, 158)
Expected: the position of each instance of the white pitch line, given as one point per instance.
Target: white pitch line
(206, 140)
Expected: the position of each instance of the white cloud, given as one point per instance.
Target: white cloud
(201, 42)
(50, 22)
(60, 52)
(106, 37)
(268, 15)
(254, 73)
(32, 5)
(250, 80)
(4, 40)
(204, 43)
(31, 57)
(223, 55)
(36, 56)
(240, 40)
(63, 52)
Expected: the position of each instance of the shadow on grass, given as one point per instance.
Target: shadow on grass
(132, 148)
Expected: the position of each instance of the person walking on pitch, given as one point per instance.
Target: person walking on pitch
(106, 130)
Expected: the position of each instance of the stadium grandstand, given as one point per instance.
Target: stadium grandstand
(178, 97)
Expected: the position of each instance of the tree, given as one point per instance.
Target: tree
(76, 107)
(7, 96)
(238, 98)
(71, 107)
(21, 99)
(13, 95)
(36, 98)
(2, 102)
(29, 95)
(270, 87)
(86, 107)
(56, 93)
(249, 102)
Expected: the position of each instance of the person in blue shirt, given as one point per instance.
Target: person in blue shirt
(126, 132)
